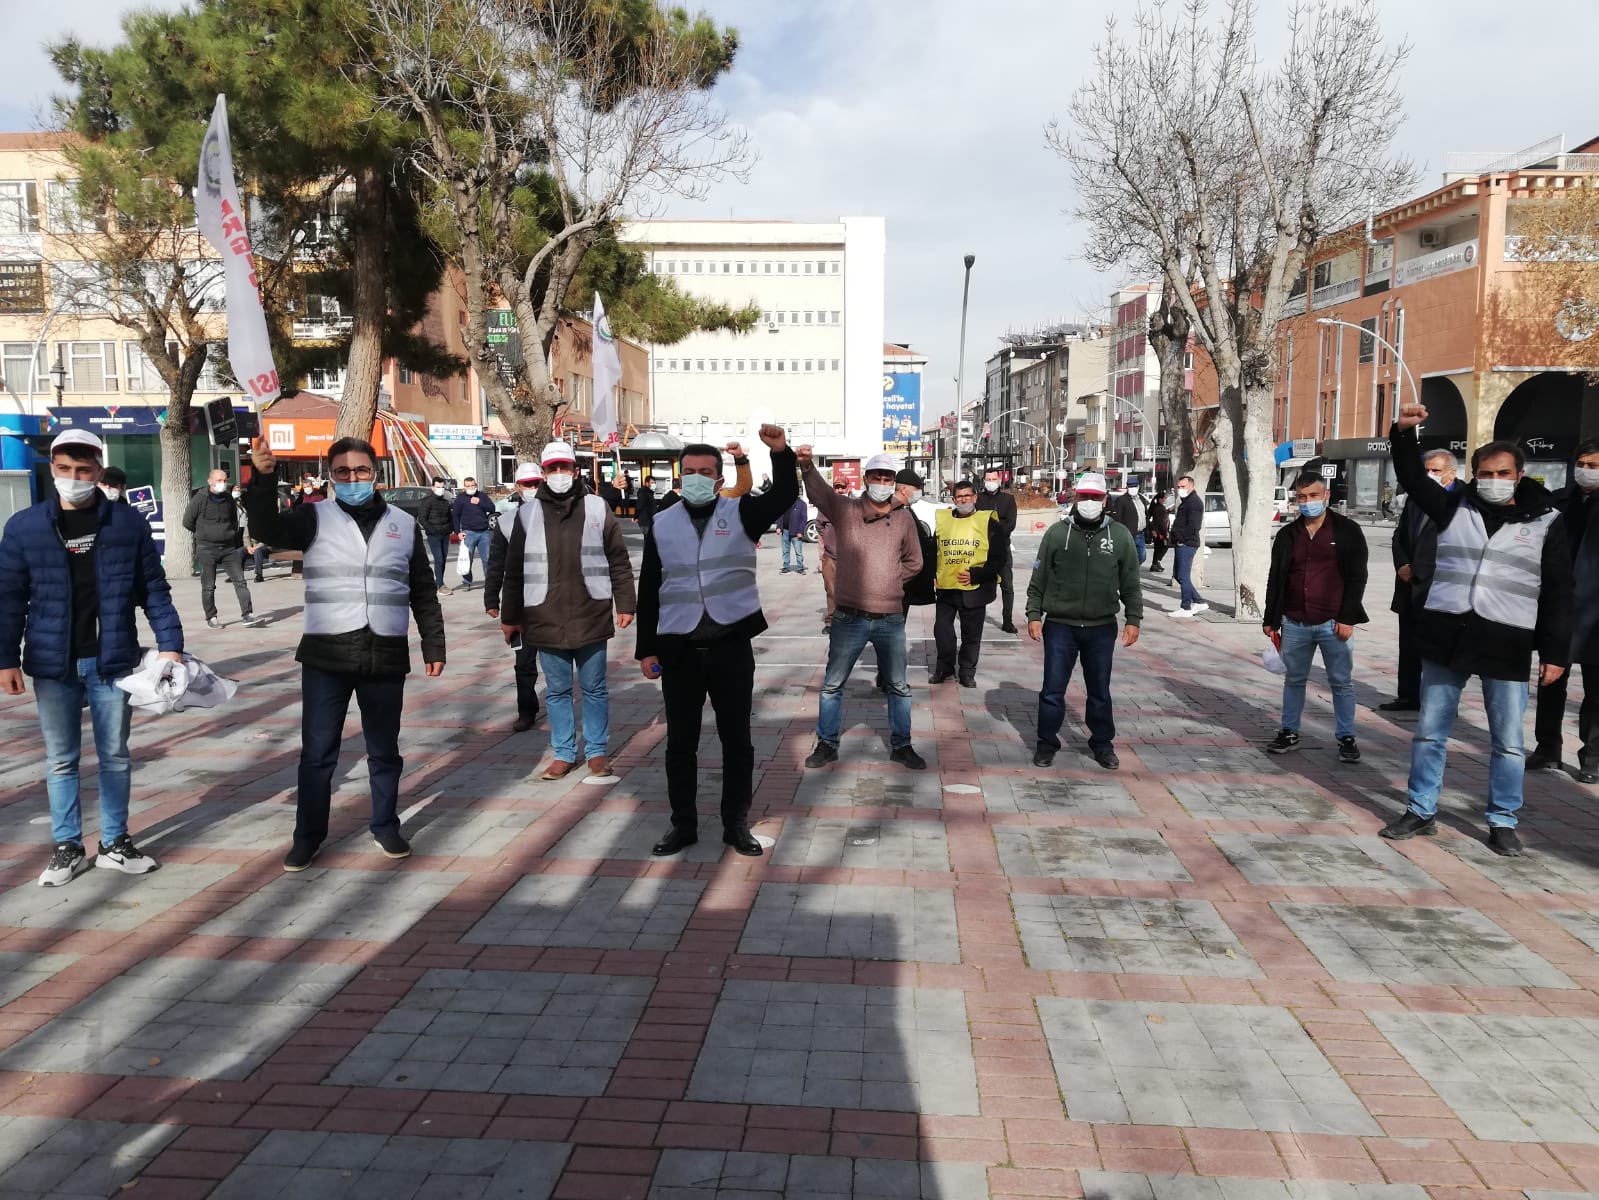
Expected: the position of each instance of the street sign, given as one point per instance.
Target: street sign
(1304, 448)
(224, 426)
(1329, 470)
(143, 499)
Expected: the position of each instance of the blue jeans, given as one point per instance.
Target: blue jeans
(1299, 647)
(586, 667)
(847, 637)
(1141, 546)
(1184, 570)
(439, 548)
(60, 703)
(477, 546)
(1506, 702)
(798, 542)
(1095, 645)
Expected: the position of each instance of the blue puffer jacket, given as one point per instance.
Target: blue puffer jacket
(36, 592)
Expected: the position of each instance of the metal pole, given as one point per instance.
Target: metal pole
(1398, 358)
(960, 371)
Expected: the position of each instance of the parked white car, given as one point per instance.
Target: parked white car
(1216, 528)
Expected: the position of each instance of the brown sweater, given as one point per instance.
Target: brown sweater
(569, 618)
(877, 552)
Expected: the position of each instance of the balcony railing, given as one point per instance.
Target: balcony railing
(1294, 305)
(323, 329)
(1521, 248)
(1336, 293)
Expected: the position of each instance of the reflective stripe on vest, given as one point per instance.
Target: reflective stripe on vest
(536, 557)
(1498, 578)
(962, 542)
(714, 574)
(353, 582)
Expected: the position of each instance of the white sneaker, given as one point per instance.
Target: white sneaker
(1181, 612)
(65, 862)
(123, 855)
(1199, 608)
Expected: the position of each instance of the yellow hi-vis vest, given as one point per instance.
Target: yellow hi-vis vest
(962, 543)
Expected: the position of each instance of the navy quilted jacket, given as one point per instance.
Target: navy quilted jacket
(36, 592)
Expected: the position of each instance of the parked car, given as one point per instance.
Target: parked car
(407, 499)
(1216, 529)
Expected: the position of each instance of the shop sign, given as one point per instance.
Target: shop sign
(455, 435)
(1439, 262)
(1304, 448)
(117, 420)
(280, 435)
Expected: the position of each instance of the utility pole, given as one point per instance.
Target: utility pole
(960, 373)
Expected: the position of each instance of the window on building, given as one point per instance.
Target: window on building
(1368, 339)
(836, 315)
(660, 364)
(794, 365)
(727, 364)
(91, 366)
(1188, 361)
(834, 271)
(727, 268)
(835, 364)
(19, 206)
(713, 364)
(77, 284)
(807, 316)
(699, 364)
(141, 375)
(768, 365)
(672, 365)
(404, 374)
(793, 318)
(767, 268)
(821, 266)
(780, 267)
(211, 378)
(810, 366)
(782, 318)
(766, 318)
(21, 287)
(741, 268)
(807, 268)
(741, 364)
(15, 360)
(65, 210)
(781, 364)
(699, 266)
(1322, 275)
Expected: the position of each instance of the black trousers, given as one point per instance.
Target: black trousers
(1159, 546)
(209, 555)
(1007, 599)
(1409, 687)
(1551, 718)
(971, 643)
(527, 681)
(724, 671)
(324, 703)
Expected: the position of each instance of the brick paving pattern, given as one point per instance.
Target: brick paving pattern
(1202, 977)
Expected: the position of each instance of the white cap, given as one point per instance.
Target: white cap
(529, 472)
(79, 437)
(1092, 481)
(558, 452)
(881, 462)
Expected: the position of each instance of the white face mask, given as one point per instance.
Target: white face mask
(1090, 510)
(236, 494)
(1185, 491)
(911, 498)
(1587, 478)
(560, 484)
(879, 493)
(1496, 491)
(76, 491)
(991, 485)
(112, 493)
(438, 489)
(219, 488)
(965, 510)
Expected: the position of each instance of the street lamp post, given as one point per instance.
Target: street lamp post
(1392, 349)
(960, 370)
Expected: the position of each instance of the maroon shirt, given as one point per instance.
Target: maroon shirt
(1315, 589)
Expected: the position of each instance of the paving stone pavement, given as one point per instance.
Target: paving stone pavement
(1201, 977)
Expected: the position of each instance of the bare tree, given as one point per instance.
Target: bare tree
(1196, 165)
(1169, 330)
(545, 124)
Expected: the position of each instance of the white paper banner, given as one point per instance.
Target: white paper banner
(607, 374)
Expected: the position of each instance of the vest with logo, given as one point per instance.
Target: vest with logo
(536, 557)
(962, 543)
(710, 575)
(353, 582)
(1498, 578)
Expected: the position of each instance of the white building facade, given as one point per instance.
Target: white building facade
(814, 362)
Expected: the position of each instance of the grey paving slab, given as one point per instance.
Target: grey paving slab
(1409, 945)
(1218, 1066)
(839, 1046)
(450, 832)
(902, 845)
(1580, 923)
(1063, 797)
(1567, 867)
(536, 1032)
(20, 971)
(599, 913)
(60, 1159)
(186, 1017)
(1516, 1079)
(359, 1166)
(1140, 855)
(629, 836)
(1208, 759)
(853, 921)
(822, 789)
(108, 900)
(1133, 936)
(741, 1175)
(1256, 802)
(27, 821)
(376, 906)
(1119, 1185)
(1310, 860)
(232, 824)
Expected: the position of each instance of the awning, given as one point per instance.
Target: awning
(1292, 463)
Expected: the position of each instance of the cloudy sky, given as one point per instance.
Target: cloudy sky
(932, 113)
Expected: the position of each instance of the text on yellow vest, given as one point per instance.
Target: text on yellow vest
(962, 543)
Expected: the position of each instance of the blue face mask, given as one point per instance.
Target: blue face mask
(354, 493)
(699, 489)
(1313, 508)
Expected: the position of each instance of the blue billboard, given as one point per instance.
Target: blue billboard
(902, 411)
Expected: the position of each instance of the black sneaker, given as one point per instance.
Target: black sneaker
(1107, 759)
(968, 681)
(392, 844)
(1409, 825)
(1503, 840)
(66, 860)
(1399, 705)
(906, 756)
(123, 855)
(1285, 741)
(1008, 627)
(1347, 750)
(1043, 756)
(1539, 761)
(824, 753)
(300, 855)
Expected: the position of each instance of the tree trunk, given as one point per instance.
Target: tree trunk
(176, 485)
(358, 407)
(1168, 335)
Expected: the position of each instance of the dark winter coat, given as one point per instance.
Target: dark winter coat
(1577, 512)
(214, 519)
(796, 519)
(569, 618)
(1189, 520)
(1415, 546)
(1002, 504)
(1349, 549)
(36, 592)
(433, 515)
(470, 514)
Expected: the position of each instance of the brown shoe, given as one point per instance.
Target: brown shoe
(559, 769)
(598, 766)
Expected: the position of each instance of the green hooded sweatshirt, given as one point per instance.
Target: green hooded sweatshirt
(1083, 577)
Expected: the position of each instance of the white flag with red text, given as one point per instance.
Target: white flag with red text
(607, 374)
(220, 216)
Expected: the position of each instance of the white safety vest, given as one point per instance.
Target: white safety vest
(1498, 578)
(713, 574)
(536, 557)
(351, 582)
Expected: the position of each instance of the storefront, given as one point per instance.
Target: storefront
(132, 436)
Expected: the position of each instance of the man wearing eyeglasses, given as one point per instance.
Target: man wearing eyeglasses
(366, 568)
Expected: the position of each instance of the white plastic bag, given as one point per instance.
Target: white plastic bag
(463, 560)
(1273, 661)
(162, 686)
